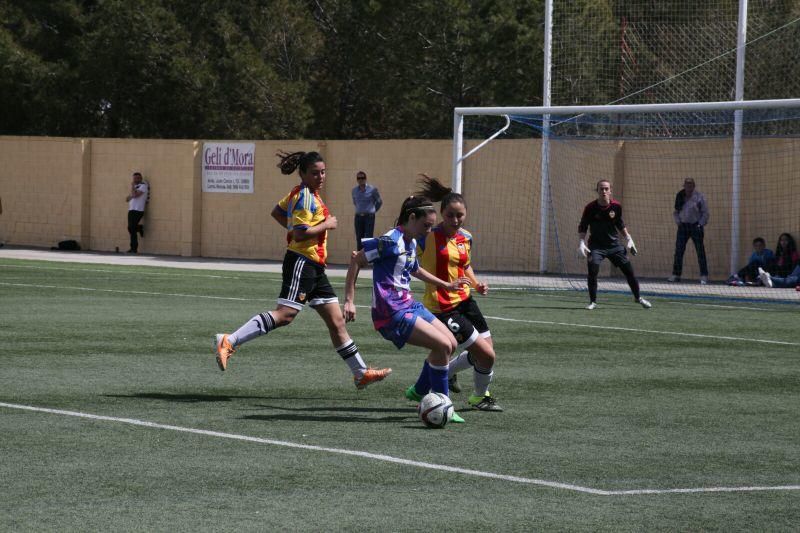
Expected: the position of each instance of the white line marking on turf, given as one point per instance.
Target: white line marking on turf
(544, 322)
(634, 330)
(396, 460)
(145, 293)
(122, 271)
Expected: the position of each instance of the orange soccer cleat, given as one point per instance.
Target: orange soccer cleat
(371, 375)
(223, 349)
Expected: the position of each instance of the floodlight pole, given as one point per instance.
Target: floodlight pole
(736, 185)
(544, 195)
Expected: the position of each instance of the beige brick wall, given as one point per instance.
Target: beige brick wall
(41, 180)
(54, 189)
(169, 167)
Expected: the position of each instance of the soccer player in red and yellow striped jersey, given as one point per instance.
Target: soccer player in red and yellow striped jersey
(446, 252)
(307, 221)
(447, 257)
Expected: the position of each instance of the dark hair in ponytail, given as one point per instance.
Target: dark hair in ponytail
(294, 160)
(421, 203)
(436, 192)
(418, 206)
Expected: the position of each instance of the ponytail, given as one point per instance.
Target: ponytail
(294, 160)
(436, 192)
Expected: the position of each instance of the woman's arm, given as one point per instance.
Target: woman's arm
(311, 232)
(423, 275)
(480, 287)
(357, 260)
(279, 216)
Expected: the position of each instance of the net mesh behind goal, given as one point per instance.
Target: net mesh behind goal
(640, 51)
(646, 156)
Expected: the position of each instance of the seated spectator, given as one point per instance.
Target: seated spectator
(788, 282)
(786, 256)
(761, 258)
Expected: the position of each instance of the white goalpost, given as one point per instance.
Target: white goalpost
(646, 150)
(642, 59)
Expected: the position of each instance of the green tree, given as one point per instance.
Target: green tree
(397, 69)
(36, 62)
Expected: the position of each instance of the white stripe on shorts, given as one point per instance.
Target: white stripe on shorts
(297, 273)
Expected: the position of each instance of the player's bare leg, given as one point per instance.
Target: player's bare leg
(331, 314)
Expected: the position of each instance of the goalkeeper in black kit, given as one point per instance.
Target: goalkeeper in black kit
(603, 219)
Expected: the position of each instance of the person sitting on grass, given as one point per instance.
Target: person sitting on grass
(761, 258)
(786, 256)
(779, 282)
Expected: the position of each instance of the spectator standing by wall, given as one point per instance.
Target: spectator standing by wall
(367, 201)
(137, 200)
(691, 216)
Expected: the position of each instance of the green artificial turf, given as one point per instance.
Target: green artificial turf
(684, 395)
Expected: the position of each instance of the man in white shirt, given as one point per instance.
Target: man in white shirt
(691, 216)
(137, 200)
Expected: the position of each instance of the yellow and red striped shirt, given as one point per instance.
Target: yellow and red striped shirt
(305, 209)
(446, 258)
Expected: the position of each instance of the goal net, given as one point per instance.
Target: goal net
(525, 219)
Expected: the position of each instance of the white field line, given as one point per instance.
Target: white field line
(145, 293)
(543, 322)
(649, 331)
(396, 460)
(720, 306)
(121, 271)
(563, 296)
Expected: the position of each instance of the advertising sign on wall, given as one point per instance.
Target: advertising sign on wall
(228, 167)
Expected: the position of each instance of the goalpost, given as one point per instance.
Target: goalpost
(646, 151)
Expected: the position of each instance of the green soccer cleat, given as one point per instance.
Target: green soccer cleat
(412, 395)
(484, 403)
(456, 418)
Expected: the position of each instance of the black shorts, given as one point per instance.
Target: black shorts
(304, 281)
(617, 255)
(465, 322)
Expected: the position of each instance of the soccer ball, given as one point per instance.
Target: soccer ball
(435, 410)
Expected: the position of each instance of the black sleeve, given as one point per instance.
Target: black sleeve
(583, 225)
(680, 199)
(618, 222)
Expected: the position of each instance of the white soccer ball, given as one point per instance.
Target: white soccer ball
(435, 410)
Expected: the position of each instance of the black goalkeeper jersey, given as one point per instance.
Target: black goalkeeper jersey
(604, 223)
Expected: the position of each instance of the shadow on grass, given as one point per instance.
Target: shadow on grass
(320, 414)
(192, 398)
(324, 418)
(343, 409)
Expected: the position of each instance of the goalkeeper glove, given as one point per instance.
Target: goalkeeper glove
(631, 246)
(583, 249)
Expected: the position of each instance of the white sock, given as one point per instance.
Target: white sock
(349, 352)
(481, 379)
(459, 363)
(261, 324)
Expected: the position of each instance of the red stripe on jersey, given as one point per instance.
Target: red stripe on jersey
(322, 236)
(442, 270)
(462, 260)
